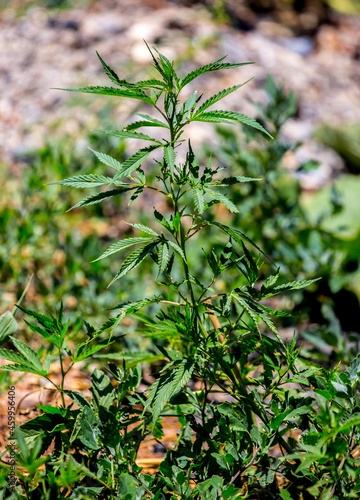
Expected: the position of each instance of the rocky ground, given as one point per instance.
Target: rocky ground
(44, 48)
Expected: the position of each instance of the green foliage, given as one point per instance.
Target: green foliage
(255, 393)
(309, 234)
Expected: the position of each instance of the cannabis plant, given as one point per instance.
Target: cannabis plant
(238, 390)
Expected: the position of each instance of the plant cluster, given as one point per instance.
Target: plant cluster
(271, 214)
(255, 417)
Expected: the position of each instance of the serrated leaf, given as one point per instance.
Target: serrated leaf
(102, 390)
(111, 73)
(169, 384)
(269, 282)
(168, 69)
(221, 116)
(43, 320)
(223, 199)
(163, 257)
(29, 354)
(132, 359)
(292, 285)
(130, 308)
(144, 123)
(144, 229)
(235, 233)
(79, 399)
(153, 83)
(228, 181)
(177, 249)
(99, 197)
(153, 120)
(136, 194)
(217, 97)
(112, 91)
(169, 155)
(249, 309)
(128, 134)
(23, 368)
(121, 245)
(134, 161)
(133, 260)
(198, 199)
(107, 160)
(256, 312)
(12, 356)
(85, 181)
(214, 66)
(87, 349)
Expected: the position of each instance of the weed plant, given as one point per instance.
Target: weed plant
(270, 213)
(255, 419)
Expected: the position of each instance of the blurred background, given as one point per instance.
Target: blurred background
(306, 91)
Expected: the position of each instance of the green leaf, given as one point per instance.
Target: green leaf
(108, 160)
(153, 83)
(134, 161)
(228, 181)
(112, 91)
(151, 119)
(43, 320)
(136, 194)
(133, 260)
(292, 285)
(169, 155)
(168, 70)
(217, 97)
(12, 356)
(189, 104)
(145, 123)
(341, 389)
(99, 197)
(350, 422)
(235, 233)
(177, 249)
(214, 66)
(163, 256)
(79, 399)
(127, 134)
(111, 74)
(251, 308)
(25, 368)
(121, 245)
(353, 372)
(85, 181)
(170, 383)
(88, 348)
(102, 390)
(132, 359)
(198, 199)
(29, 354)
(144, 229)
(220, 116)
(131, 307)
(8, 325)
(285, 495)
(222, 199)
(90, 428)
